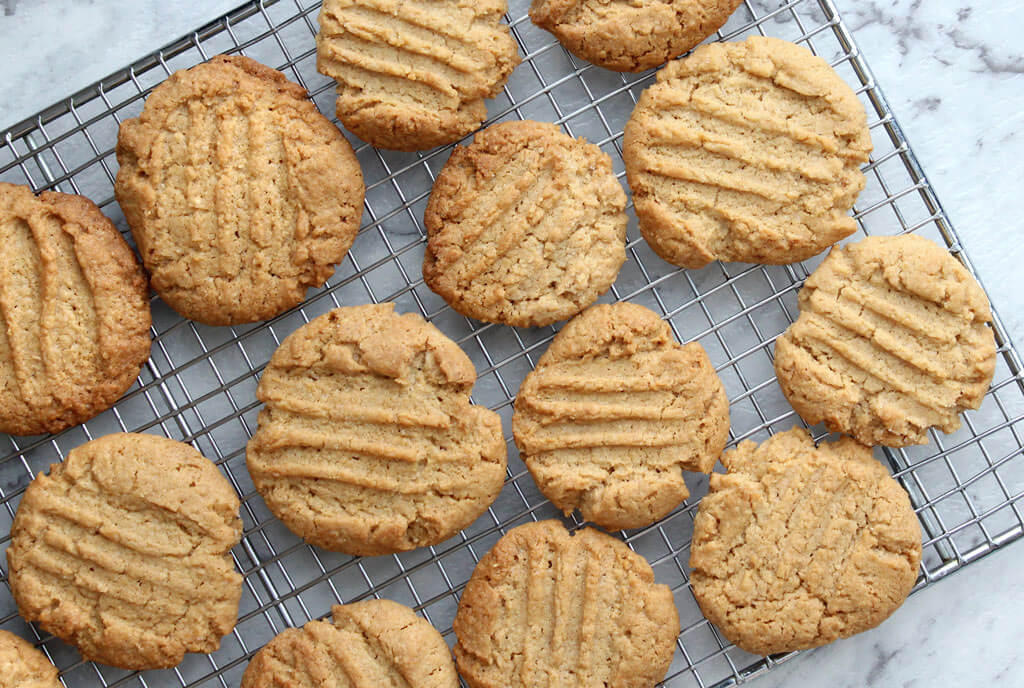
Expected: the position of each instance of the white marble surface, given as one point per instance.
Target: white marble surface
(955, 78)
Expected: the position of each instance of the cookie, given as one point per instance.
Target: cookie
(526, 226)
(239, 194)
(613, 414)
(368, 443)
(798, 546)
(891, 341)
(23, 666)
(630, 36)
(376, 643)
(546, 607)
(414, 75)
(123, 551)
(75, 306)
(746, 152)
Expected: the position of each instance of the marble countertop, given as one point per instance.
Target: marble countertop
(954, 75)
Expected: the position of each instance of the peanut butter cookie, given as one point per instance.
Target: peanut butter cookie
(546, 607)
(746, 152)
(891, 340)
(123, 551)
(526, 225)
(798, 546)
(613, 414)
(75, 305)
(631, 36)
(23, 666)
(239, 194)
(376, 643)
(414, 75)
(368, 443)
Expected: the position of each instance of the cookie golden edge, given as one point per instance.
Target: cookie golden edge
(98, 241)
(611, 319)
(95, 640)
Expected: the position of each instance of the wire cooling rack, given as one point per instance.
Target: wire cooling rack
(200, 383)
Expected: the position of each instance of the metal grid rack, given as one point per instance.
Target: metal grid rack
(200, 384)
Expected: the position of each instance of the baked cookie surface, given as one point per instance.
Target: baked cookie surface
(23, 666)
(546, 607)
(368, 443)
(414, 75)
(123, 551)
(75, 305)
(526, 226)
(613, 414)
(891, 340)
(630, 36)
(746, 152)
(372, 643)
(239, 193)
(798, 546)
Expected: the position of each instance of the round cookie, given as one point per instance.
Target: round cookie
(376, 643)
(75, 305)
(123, 551)
(368, 443)
(546, 607)
(526, 226)
(891, 341)
(798, 546)
(414, 75)
(613, 414)
(23, 666)
(746, 152)
(631, 36)
(239, 194)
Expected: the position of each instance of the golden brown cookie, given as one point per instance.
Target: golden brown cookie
(747, 152)
(891, 340)
(375, 643)
(546, 607)
(413, 74)
(526, 226)
(23, 666)
(240, 195)
(124, 551)
(630, 36)
(797, 546)
(368, 443)
(613, 414)
(75, 306)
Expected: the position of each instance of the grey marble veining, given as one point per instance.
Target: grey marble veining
(954, 74)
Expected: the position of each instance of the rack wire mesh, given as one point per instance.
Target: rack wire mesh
(199, 385)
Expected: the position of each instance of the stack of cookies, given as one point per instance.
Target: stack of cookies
(240, 196)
